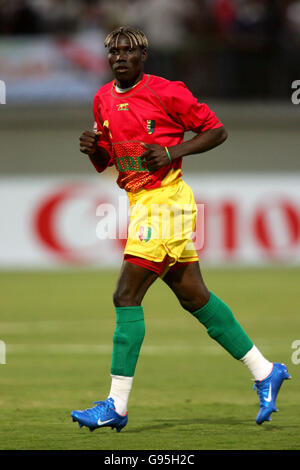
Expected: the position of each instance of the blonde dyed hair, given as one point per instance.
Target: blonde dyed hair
(135, 36)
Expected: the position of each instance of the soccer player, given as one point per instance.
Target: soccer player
(140, 121)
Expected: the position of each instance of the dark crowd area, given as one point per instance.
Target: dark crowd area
(223, 48)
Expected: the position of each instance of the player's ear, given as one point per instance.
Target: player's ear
(144, 55)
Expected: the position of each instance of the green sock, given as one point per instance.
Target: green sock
(221, 325)
(127, 340)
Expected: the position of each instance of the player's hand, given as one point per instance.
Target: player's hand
(155, 156)
(88, 142)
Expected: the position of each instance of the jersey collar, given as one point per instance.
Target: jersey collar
(132, 90)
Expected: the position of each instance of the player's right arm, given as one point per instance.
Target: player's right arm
(96, 144)
(88, 144)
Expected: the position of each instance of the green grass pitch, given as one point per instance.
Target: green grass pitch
(187, 394)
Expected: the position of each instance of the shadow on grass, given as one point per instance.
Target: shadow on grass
(171, 423)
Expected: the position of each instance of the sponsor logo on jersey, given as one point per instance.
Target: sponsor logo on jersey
(128, 163)
(123, 107)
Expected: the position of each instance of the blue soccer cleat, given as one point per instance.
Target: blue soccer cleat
(268, 389)
(100, 416)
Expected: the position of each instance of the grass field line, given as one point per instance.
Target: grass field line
(40, 325)
(107, 349)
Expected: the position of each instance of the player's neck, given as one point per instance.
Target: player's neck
(126, 85)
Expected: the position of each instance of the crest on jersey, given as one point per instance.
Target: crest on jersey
(150, 126)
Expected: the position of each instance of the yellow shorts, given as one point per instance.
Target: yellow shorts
(162, 222)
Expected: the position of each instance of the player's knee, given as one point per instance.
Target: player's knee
(125, 298)
(192, 304)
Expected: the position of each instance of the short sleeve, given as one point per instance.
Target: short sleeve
(103, 140)
(185, 109)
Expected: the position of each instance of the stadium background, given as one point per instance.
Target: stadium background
(239, 56)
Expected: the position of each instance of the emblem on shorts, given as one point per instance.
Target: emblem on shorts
(123, 107)
(145, 233)
(150, 126)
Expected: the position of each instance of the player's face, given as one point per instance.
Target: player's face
(126, 61)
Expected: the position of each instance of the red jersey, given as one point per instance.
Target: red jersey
(154, 111)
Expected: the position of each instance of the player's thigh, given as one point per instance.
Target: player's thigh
(188, 285)
(132, 285)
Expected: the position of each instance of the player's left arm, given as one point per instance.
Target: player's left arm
(193, 116)
(157, 156)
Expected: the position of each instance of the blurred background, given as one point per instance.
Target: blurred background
(239, 56)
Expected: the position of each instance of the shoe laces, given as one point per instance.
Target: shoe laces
(106, 405)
